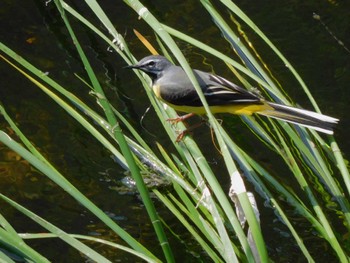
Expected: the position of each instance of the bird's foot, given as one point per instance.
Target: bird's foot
(183, 133)
(180, 118)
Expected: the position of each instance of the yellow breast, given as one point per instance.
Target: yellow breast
(156, 90)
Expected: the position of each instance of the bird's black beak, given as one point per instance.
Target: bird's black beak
(132, 67)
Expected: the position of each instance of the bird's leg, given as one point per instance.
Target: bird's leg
(188, 130)
(180, 118)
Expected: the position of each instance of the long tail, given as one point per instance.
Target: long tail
(302, 117)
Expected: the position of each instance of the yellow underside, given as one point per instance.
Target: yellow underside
(233, 109)
(240, 109)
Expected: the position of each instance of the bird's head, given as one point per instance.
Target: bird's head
(153, 65)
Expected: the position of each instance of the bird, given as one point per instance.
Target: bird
(171, 85)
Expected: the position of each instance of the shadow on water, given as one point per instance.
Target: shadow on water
(35, 31)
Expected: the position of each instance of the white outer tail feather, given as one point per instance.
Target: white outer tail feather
(306, 118)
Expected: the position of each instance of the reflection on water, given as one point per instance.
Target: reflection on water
(36, 32)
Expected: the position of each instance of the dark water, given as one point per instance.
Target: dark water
(36, 32)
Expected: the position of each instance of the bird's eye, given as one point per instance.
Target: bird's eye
(151, 63)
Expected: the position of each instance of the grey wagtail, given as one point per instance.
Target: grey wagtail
(171, 84)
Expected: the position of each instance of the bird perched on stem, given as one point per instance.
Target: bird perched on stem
(171, 84)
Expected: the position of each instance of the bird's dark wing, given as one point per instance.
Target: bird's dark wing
(220, 91)
(177, 89)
